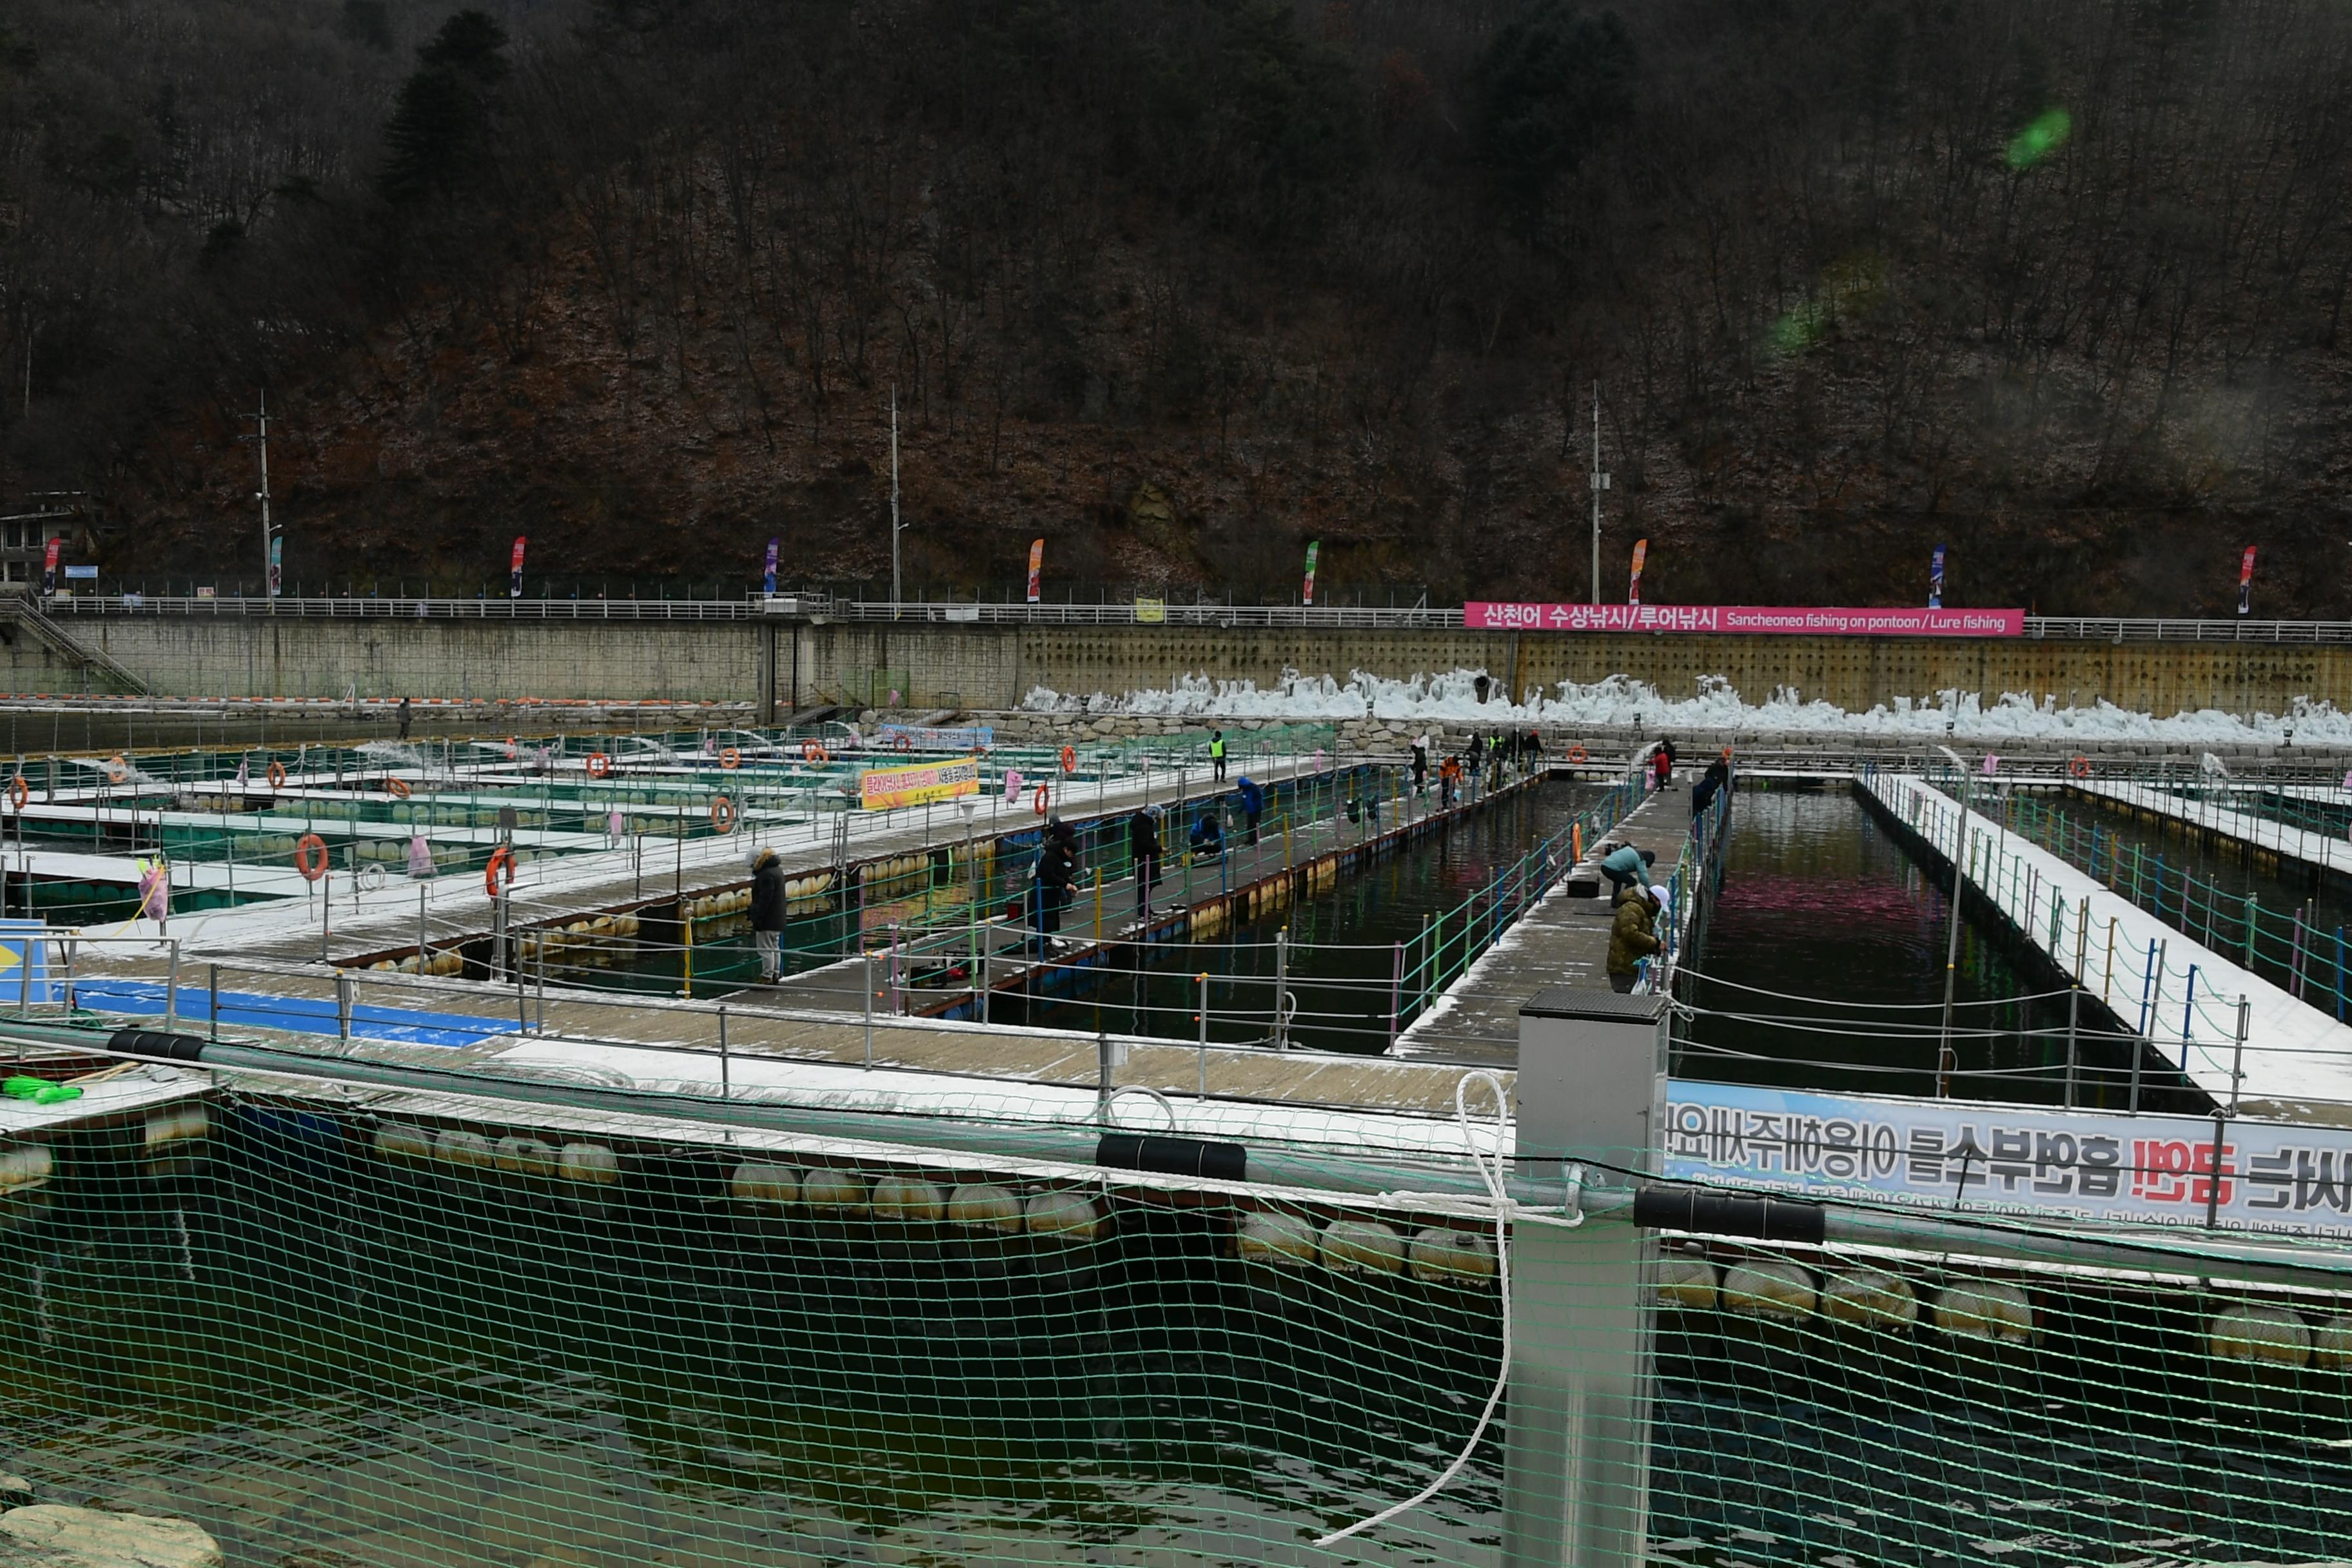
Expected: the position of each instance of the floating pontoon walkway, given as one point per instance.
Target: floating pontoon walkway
(2183, 997)
(2322, 851)
(1562, 940)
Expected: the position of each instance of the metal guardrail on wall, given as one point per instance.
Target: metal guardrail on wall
(1112, 613)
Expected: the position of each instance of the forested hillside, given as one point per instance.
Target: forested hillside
(1182, 284)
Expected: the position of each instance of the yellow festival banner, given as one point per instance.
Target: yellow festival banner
(918, 784)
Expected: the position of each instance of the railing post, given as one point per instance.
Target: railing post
(1282, 989)
(1202, 1018)
(1591, 1087)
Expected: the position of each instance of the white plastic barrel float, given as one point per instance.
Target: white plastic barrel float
(1068, 1218)
(1985, 1309)
(1768, 1288)
(910, 1200)
(1870, 1298)
(2261, 1335)
(833, 1193)
(982, 1206)
(765, 1185)
(1362, 1247)
(1442, 1255)
(1686, 1282)
(1273, 1238)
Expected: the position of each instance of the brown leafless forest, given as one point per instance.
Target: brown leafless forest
(1182, 284)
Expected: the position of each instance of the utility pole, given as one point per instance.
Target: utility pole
(895, 525)
(269, 540)
(1600, 483)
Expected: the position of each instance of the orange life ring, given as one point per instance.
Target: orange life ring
(1070, 758)
(398, 786)
(599, 765)
(501, 860)
(18, 792)
(906, 743)
(722, 814)
(311, 869)
(813, 752)
(117, 770)
(1039, 802)
(277, 774)
(1577, 754)
(1727, 754)
(729, 757)
(2080, 767)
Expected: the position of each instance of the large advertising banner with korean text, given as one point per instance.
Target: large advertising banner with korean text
(918, 784)
(1749, 620)
(2027, 1160)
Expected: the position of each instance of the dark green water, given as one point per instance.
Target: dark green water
(1343, 968)
(1819, 900)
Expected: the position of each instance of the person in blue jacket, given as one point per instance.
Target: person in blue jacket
(1253, 804)
(1626, 867)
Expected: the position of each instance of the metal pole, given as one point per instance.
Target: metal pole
(2074, 1008)
(170, 991)
(1203, 1018)
(895, 525)
(1599, 481)
(1281, 989)
(343, 1007)
(1945, 1061)
(213, 999)
(726, 1089)
(2238, 1059)
(869, 1005)
(1396, 991)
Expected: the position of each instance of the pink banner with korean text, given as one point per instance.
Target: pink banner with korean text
(1746, 620)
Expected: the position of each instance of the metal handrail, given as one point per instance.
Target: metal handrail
(1106, 613)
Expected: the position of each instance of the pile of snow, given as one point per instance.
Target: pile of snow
(1621, 700)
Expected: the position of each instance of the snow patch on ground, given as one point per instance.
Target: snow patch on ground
(1453, 697)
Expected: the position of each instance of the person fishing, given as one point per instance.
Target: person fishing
(767, 913)
(1633, 937)
(1626, 867)
(1252, 796)
(1208, 839)
(1056, 869)
(1143, 849)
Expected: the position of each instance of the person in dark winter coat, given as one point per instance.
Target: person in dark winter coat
(1143, 848)
(1253, 804)
(1632, 937)
(767, 913)
(1716, 778)
(1057, 867)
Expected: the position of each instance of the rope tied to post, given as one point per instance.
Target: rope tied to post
(1490, 1173)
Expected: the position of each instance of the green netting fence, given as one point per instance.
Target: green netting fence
(339, 1328)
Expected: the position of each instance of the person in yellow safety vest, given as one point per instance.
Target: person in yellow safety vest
(1217, 752)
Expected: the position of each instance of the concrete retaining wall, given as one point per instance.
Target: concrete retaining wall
(934, 664)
